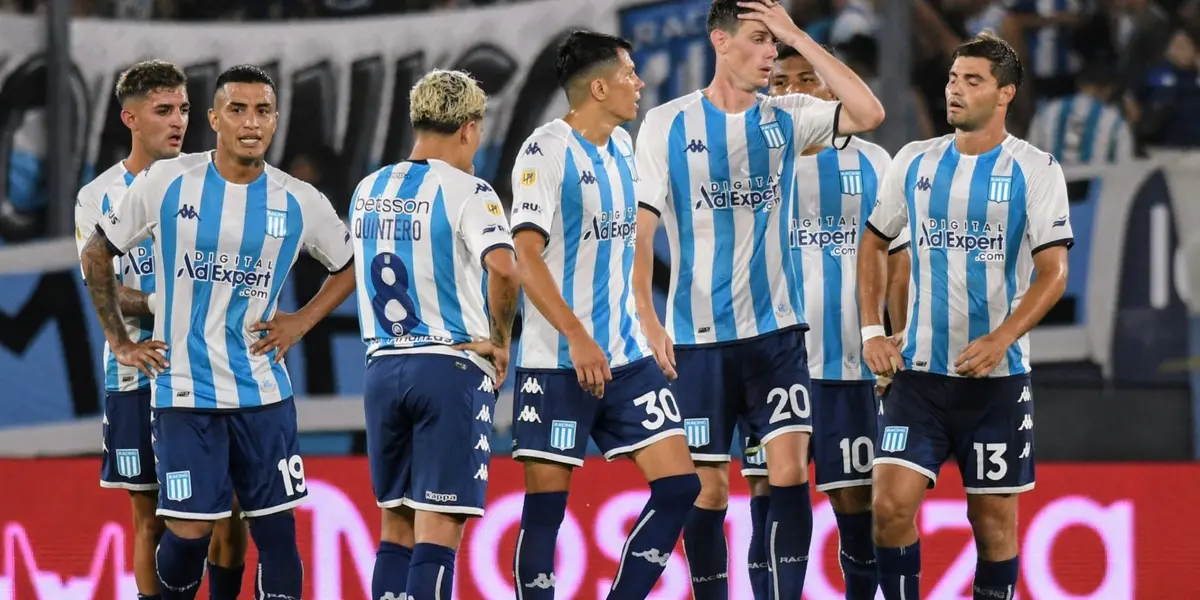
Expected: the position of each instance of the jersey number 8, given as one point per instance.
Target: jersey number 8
(660, 406)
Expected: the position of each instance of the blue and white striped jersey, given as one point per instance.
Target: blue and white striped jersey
(135, 270)
(836, 191)
(581, 197)
(976, 222)
(723, 185)
(1082, 130)
(224, 250)
(1051, 48)
(421, 231)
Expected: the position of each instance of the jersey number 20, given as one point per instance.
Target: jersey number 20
(788, 403)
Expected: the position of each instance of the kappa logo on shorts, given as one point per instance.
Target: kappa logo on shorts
(1025, 396)
(529, 415)
(484, 444)
(895, 439)
(531, 386)
(179, 485)
(481, 474)
(484, 415)
(562, 435)
(487, 385)
(129, 463)
(697, 432)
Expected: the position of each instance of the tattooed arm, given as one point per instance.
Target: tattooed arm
(503, 288)
(134, 303)
(102, 284)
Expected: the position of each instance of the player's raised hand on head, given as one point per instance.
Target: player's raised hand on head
(883, 356)
(591, 365)
(496, 354)
(772, 14)
(147, 356)
(283, 332)
(982, 355)
(662, 346)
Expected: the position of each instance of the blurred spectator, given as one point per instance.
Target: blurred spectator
(861, 54)
(1140, 31)
(1170, 97)
(1043, 34)
(853, 18)
(1085, 128)
(814, 17)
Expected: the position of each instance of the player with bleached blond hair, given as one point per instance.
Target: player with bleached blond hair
(428, 238)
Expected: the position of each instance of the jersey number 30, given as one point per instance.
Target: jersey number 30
(660, 406)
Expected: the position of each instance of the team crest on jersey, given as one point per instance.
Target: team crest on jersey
(276, 223)
(528, 177)
(773, 134)
(494, 208)
(562, 435)
(129, 463)
(179, 485)
(999, 189)
(852, 182)
(696, 431)
(895, 439)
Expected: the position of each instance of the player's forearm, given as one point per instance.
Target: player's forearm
(643, 268)
(133, 302)
(898, 267)
(861, 110)
(333, 293)
(503, 290)
(102, 286)
(1045, 291)
(872, 275)
(539, 286)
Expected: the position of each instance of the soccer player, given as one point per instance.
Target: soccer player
(986, 211)
(437, 292)
(717, 166)
(155, 108)
(226, 230)
(837, 187)
(583, 368)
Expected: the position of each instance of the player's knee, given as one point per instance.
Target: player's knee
(891, 513)
(678, 492)
(148, 527)
(714, 486)
(759, 486)
(995, 529)
(850, 500)
(275, 537)
(229, 540)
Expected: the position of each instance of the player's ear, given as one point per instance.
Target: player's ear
(719, 39)
(599, 89)
(129, 119)
(212, 118)
(1007, 93)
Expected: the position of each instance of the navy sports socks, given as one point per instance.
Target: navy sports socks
(857, 555)
(180, 565)
(280, 572)
(996, 580)
(533, 562)
(225, 583)
(391, 570)
(151, 597)
(654, 535)
(707, 553)
(756, 556)
(431, 574)
(789, 535)
(900, 572)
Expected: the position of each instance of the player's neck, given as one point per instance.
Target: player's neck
(980, 141)
(237, 172)
(727, 96)
(138, 159)
(593, 124)
(428, 147)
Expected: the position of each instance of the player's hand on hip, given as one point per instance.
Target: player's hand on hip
(772, 14)
(147, 356)
(662, 347)
(283, 332)
(591, 365)
(981, 356)
(882, 356)
(494, 353)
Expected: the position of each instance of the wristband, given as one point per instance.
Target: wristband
(873, 331)
(150, 302)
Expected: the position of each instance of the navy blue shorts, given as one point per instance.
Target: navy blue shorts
(127, 461)
(762, 381)
(429, 421)
(553, 417)
(987, 424)
(205, 457)
(843, 441)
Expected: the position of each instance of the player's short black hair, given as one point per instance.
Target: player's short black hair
(723, 15)
(583, 51)
(785, 51)
(147, 76)
(1006, 65)
(244, 74)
